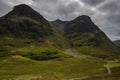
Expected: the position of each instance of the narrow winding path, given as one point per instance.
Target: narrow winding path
(108, 69)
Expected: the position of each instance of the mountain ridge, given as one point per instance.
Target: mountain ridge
(80, 32)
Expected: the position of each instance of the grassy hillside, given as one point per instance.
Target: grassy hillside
(17, 67)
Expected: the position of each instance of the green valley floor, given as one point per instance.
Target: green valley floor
(21, 68)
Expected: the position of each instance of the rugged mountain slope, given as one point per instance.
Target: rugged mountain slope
(117, 42)
(23, 21)
(88, 39)
(25, 32)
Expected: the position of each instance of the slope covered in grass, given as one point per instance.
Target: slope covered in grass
(61, 68)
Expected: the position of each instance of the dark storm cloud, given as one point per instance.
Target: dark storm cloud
(63, 9)
(114, 19)
(93, 2)
(68, 10)
(112, 6)
(48, 1)
(105, 13)
(4, 8)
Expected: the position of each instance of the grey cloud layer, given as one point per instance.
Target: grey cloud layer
(105, 13)
(92, 2)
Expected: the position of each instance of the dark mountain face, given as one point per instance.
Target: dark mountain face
(23, 21)
(117, 42)
(83, 28)
(81, 24)
(24, 10)
(24, 28)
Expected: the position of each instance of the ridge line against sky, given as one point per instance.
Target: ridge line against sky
(105, 13)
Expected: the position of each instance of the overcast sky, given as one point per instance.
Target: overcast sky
(105, 13)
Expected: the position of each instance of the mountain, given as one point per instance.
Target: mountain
(80, 24)
(22, 29)
(23, 21)
(24, 10)
(117, 42)
(26, 27)
(88, 39)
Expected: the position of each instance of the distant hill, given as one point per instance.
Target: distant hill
(117, 42)
(59, 25)
(59, 22)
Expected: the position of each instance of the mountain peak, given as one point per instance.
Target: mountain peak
(81, 24)
(84, 17)
(22, 6)
(58, 20)
(24, 20)
(24, 10)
